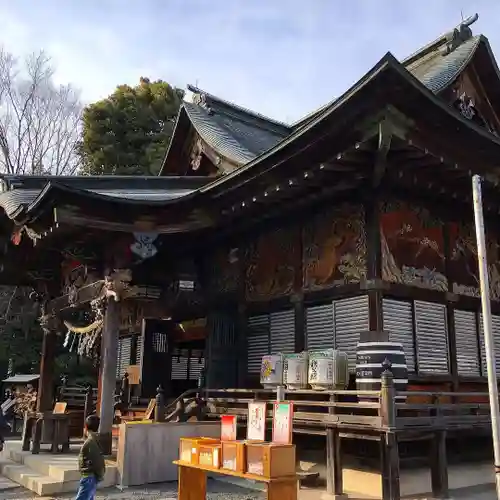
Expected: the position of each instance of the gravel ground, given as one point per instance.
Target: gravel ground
(216, 490)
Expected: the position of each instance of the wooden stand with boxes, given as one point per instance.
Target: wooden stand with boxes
(270, 463)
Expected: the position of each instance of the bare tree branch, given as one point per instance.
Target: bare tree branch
(39, 121)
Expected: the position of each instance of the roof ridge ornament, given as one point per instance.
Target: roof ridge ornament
(460, 34)
(200, 99)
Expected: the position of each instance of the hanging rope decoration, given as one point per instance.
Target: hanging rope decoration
(87, 335)
(83, 330)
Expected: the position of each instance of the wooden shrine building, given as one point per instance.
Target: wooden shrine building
(262, 237)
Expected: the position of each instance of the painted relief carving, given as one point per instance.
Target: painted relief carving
(272, 261)
(464, 272)
(412, 247)
(469, 99)
(224, 270)
(335, 248)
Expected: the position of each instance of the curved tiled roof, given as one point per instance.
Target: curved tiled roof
(241, 140)
(437, 70)
(149, 191)
(216, 134)
(241, 135)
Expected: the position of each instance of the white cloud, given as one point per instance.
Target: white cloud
(280, 58)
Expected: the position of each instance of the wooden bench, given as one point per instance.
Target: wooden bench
(193, 482)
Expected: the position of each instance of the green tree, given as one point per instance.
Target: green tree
(128, 132)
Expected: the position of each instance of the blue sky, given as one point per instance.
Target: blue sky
(282, 58)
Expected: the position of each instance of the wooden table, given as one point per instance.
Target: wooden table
(193, 482)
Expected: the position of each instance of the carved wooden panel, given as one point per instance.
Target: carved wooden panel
(272, 261)
(464, 271)
(335, 247)
(412, 242)
(224, 270)
(469, 97)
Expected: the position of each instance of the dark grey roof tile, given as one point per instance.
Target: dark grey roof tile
(216, 134)
(436, 70)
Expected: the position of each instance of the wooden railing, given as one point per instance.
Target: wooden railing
(319, 410)
(75, 396)
(380, 416)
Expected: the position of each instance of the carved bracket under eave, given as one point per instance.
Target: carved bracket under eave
(200, 149)
(400, 124)
(386, 131)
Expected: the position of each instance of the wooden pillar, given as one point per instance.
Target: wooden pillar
(242, 341)
(389, 449)
(374, 262)
(389, 457)
(108, 377)
(450, 310)
(439, 465)
(45, 399)
(300, 323)
(298, 297)
(99, 387)
(334, 485)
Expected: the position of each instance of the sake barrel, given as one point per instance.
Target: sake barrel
(271, 371)
(372, 359)
(328, 369)
(295, 370)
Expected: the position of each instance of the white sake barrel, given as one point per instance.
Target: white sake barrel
(328, 369)
(295, 368)
(271, 371)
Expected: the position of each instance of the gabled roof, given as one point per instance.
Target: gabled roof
(236, 133)
(241, 135)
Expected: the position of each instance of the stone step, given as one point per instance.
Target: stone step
(47, 474)
(38, 483)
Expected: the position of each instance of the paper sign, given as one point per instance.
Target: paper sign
(256, 425)
(282, 423)
(228, 428)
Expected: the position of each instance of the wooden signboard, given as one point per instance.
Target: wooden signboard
(282, 423)
(228, 427)
(60, 408)
(134, 374)
(256, 423)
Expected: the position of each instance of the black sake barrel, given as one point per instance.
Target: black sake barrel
(372, 359)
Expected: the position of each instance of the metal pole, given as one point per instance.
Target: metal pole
(488, 336)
